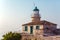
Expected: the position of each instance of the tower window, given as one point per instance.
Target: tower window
(37, 27)
(26, 28)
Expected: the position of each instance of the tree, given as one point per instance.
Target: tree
(12, 36)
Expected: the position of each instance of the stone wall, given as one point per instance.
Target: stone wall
(52, 38)
(39, 37)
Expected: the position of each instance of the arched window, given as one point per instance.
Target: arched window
(37, 27)
(26, 28)
(31, 29)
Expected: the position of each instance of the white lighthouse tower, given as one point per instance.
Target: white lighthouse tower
(35, 15)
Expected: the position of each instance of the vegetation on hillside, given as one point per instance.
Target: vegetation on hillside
(12, 36)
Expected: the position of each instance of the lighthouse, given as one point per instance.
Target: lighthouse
(35, 15)
(38, 26)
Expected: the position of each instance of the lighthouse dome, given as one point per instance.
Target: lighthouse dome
(35, 12)
(36, 9)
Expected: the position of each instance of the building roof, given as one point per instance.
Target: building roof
(39, 23)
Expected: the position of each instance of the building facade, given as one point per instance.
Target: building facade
(37, 28)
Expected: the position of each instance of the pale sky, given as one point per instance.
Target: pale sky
(14, 13)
